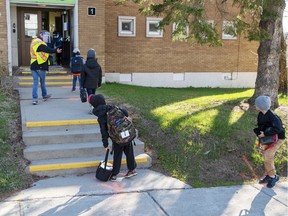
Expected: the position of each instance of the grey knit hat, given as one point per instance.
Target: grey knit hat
(91, 53)
(263, 102)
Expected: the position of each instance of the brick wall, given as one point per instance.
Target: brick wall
(92, 29)
(3, 35)
(142, 54)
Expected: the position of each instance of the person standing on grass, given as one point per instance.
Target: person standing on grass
(91, 75)
(269, 124)
(100, 110)
(76, 65)
(39, 63)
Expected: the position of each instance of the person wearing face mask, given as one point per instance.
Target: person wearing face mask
(39, 64)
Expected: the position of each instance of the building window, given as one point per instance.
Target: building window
(152, 27)
(227, 30)
(126, 26)
(183, 32)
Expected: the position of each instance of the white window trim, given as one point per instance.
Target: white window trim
(181, 36)
(125, 33)
(225, 35)
(149, 33)
(211, 22)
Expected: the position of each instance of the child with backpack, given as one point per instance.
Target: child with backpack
(76, 65)
(107, 116)
(269, 124)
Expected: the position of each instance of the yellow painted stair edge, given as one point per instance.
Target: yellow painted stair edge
(50, 72)
(61, 123)
(47, 167)
(47, 83)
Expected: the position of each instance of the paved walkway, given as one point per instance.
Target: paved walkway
(148, 193)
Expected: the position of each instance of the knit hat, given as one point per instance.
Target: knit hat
(263, 102)
(91, 53)
(96, 100)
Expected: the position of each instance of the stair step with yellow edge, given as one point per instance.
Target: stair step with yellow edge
(67, 166)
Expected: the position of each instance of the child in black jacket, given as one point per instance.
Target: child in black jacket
(269, 124)
(100, 110)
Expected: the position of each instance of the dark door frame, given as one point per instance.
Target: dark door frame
(23, 40)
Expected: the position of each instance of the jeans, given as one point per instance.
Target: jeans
(42, 75)
(75, 77)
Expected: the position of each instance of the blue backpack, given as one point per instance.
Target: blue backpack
(76, 64)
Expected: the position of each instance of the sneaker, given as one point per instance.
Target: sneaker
(35, 102)
(73, 90)
(130, 174)
(47, 97)
(264, 180)
(113, 178)
(273, 181)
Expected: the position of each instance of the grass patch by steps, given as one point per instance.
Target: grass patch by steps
(203, 136)
(12, 175)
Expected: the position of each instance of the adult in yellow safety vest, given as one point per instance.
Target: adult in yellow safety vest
(39, 64)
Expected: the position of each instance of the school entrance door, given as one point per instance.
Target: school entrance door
(33, 20)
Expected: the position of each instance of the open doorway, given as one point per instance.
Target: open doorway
(33, 20)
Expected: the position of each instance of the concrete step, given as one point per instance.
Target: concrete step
(67, 166)
(53, 70)
(71, 150)
(56, 76)
(62, 135)
(55, 80)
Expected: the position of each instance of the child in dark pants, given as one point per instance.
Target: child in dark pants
(100, 110)
(269, 124)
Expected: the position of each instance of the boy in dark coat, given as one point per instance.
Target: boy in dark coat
(269, 124)
(100, 110)
(91, 76)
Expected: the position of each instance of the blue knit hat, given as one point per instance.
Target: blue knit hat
(263, 102)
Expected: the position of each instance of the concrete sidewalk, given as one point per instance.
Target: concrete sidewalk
(148, 193)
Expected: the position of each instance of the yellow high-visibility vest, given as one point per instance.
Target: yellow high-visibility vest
(41, 57)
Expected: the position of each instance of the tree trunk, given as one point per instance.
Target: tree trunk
(267, 80)
(283, 67)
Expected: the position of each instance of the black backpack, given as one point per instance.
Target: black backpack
(76, 64)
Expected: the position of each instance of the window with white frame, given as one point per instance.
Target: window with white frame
(183, 33)
(152, 27)
(211, 23)
(227, 28)
(126, 26)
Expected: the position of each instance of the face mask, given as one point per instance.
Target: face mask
(46, 37)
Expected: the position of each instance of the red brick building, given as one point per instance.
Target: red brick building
(128, 48)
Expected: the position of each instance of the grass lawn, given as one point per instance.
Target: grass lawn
(12, 176)
(203, 136)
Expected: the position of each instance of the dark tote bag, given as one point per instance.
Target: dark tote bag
(267, 140)
(104, 170)
(83, 95)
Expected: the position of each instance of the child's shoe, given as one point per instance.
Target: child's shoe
(264, 180)
(273, 181)
(113, 178)
(130, 174)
